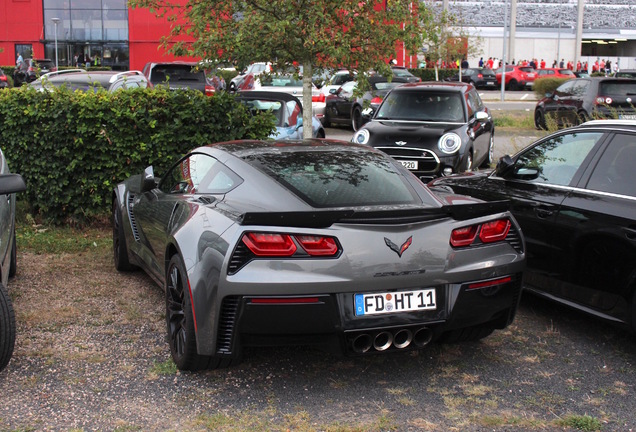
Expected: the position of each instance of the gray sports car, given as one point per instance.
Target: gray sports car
(314, 242)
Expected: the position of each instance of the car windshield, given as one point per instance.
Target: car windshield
(330, 177)
(422, 106)
(402, 73)
(383, 85)
(617, 88)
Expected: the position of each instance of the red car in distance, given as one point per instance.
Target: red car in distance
(517, 77)
(555, 73)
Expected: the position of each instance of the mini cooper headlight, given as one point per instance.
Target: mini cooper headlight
(362, 137)
(449, 143)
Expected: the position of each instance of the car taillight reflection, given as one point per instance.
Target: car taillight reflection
(209, 90)
(320, 98)
(376, 100)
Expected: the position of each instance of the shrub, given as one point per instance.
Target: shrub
(543, 86)
(72, 148)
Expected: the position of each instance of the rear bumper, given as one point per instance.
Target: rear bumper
(329, 320)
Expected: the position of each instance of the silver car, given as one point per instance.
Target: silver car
(315, 242)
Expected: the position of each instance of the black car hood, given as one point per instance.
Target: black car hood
(388, 132)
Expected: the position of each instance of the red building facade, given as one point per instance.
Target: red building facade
(98, 32)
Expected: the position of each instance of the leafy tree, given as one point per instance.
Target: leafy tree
(353, 34)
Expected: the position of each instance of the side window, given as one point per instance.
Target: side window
(185, 176)
(557, 160)
(348, 87)
(580, 87)
(293, 112)
(615, 171)
(565, 89)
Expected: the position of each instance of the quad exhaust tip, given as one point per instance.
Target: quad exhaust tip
(399, 339)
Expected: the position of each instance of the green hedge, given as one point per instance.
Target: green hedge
(72, 148)
(543, 86)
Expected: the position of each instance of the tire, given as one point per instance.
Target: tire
(582, 117)
(468, 163)
(491, 153)
(512, 85)
(120, 251)
(7, 327)
(539, 120)
(13, 265)
(356, 118)
(467, 334)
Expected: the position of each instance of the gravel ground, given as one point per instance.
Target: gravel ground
(91, 355)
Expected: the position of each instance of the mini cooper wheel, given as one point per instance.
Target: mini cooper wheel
(491, 152)
(356, 118)
(120, 251)
(7, 327)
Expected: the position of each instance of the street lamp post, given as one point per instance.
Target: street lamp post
(56, 21)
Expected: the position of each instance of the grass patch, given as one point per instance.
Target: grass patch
(39, 239)
(580, 422)
(514, 119)
(164, 368)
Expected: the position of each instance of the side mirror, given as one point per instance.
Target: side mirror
(11, 183)
(504, 166)
(333, 91)
(148, 181)
(481, 115)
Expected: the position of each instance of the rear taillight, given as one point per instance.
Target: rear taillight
(284, 245)
(376, 100)
(3, 78)
(209, 90)
(480, 76)
(463, 236)
(489, 232)
(318, 245)
(494, 231)
(320, 98)
(603, 100)
(270, 244)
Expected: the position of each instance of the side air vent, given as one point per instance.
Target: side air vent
(241, 256)
(514, 239)
(229, 311)
(131, 217)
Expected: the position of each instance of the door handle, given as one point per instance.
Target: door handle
(543, 213)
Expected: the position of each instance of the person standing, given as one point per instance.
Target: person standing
(19, 61)
(481, 62)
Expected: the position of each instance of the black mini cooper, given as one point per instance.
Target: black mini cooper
(434, 129)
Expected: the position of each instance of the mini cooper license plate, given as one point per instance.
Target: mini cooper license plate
(409, 164)
(395, 302)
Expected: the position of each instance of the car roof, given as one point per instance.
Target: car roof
(611, 124)
(104, 78)
(257, 94)
(434, 85)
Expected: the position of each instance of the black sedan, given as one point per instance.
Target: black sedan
(432, 128)
(313, 242)
(479, 77)
(345, 106)
(574, 195)
(582, 99)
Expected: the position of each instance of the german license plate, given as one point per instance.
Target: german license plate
(627, 116)
(409, 164)
(395, 302)
(490, 83)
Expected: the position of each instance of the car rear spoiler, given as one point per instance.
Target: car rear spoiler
(326, 218)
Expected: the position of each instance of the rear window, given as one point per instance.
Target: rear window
(617, 88)
(280, 81)
(176, 73)
(330, 177)
(527, 69)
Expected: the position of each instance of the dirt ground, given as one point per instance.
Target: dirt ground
(91, 355)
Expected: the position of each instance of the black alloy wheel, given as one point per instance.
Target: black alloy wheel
(539, 120)
(356, 118)
(120, 252)
(180, 320)
(7, 327)
(490, 157)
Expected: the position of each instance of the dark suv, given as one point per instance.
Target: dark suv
(178, 75)
(581, 99)
(479, 77)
